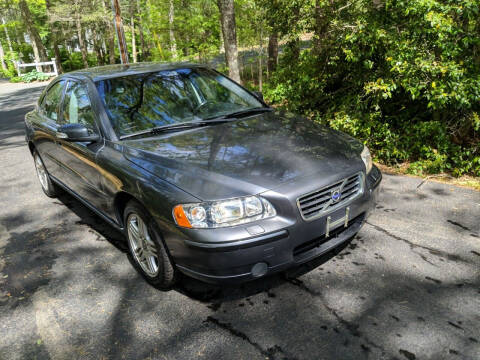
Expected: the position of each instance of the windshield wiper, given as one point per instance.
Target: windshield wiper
(194, 124)
(240, 113)
(173, 127)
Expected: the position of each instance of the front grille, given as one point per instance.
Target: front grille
(319, 202)
(309, 245)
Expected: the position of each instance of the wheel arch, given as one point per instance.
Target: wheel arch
(120, 202)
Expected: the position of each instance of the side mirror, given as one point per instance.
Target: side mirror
(76, 133)
(258, 94)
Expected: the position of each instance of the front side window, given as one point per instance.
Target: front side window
(52, 100)
(144, 101)
(77, 108)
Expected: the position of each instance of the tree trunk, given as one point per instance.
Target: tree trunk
(81, 41)
(321, 27)
(53, 30)
(38, 48)
(260, 65)
(173, 43)
(58, 57)
(293, 45)
(110, 36)
(9, 42)
(134, 44)
(66, 42)
(36, 55)
(227, 18)
(103, 48)
(140, 32)
(2, 57)
(97, 46)
(272, 52)
(122, 44)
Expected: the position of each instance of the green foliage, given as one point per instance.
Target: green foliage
(15, 79)
(11, 70)
(404, 76)
(33, 75)
(196, 29)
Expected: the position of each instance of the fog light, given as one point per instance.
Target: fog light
(259, 269)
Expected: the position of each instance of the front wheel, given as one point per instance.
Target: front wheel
(147, 251)
(48, 186)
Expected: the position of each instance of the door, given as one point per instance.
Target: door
(45, 125)
(78, 159)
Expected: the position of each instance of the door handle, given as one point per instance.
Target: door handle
(60, 135)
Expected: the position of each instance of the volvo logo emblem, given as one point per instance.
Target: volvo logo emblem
(336, 195)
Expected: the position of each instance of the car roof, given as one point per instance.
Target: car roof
(117, 70)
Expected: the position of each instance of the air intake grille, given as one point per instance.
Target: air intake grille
(331, 197)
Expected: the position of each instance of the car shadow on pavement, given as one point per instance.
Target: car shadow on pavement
(97, 225)
(27, 263)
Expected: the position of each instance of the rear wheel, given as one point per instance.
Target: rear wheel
(147, 251)
(48, 187)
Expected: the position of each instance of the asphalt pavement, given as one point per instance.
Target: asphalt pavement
(407, 287)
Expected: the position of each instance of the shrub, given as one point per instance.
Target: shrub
(34, 75)
(403, 76)
(15, 79)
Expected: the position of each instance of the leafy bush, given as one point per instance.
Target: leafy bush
(34, 75)
(10, 56)
(403, 76)
(15, 79)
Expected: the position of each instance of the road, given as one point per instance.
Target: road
(407, 287)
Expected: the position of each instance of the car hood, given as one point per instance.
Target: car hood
(246, 156)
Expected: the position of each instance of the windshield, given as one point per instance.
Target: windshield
(145, 101)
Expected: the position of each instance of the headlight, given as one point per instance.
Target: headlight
(223, 213)
(367, 159)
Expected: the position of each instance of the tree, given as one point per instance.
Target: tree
(110, 36)
(132, 27)
(272, 52)
(53, 30)
(122, 44)
(2, 57)
(140, 31)
(229, 31)
(38, 48)
(7, 36)
(80, 35)
(173, 43)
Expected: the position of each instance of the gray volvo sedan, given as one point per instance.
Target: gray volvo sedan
(199, 173)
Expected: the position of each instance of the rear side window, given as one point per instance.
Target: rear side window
(77, 108)
(51, 101)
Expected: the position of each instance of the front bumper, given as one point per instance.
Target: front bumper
(283, 245)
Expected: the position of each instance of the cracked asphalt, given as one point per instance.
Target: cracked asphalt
(406, 287)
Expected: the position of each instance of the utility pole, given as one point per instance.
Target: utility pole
(122, 44)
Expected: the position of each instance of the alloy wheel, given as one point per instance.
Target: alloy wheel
(41, 172)
(142, 246)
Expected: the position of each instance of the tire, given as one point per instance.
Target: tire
(147, 251)
(48, 187)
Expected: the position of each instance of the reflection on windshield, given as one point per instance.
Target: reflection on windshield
(145, 101)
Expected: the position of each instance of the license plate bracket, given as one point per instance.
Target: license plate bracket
(336, 223)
